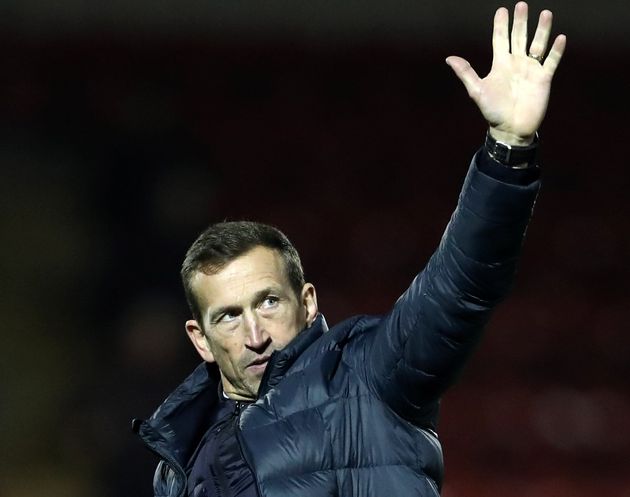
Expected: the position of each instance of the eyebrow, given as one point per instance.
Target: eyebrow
(258, 297)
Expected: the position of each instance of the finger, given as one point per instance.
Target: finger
(500, 39)
(539, 43)
(555, 54)
(467, 75)
(519, 29)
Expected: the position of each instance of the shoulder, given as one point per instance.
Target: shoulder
(348, 341)
(349, 330)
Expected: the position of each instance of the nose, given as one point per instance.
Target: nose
(256, 337)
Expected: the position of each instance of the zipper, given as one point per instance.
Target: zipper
(240, 443)
(179, 471)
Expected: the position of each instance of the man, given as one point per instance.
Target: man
(283, 406)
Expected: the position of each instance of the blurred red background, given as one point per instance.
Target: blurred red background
(118, 147)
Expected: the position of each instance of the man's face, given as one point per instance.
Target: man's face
(249, 310)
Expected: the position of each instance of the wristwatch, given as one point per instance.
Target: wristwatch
(510, 155)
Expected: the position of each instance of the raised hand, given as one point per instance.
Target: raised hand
(513, 97)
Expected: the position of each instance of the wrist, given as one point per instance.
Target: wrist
(510, 138)
(512, 156)
(488, 166)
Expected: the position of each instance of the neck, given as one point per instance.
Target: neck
(229, 394)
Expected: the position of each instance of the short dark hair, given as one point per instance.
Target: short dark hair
(223, 242)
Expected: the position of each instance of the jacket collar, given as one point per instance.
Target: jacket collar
(281, 360)
(176, 427)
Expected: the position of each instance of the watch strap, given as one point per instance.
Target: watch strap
(510, 155)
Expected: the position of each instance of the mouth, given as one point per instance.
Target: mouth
(258, 365)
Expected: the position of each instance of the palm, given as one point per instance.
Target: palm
(513, 97)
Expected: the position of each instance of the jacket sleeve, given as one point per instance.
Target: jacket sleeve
(422, 344)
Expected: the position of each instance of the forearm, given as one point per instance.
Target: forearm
(470, 272)
(434, 326)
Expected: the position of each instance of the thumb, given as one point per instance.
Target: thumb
(467, 75)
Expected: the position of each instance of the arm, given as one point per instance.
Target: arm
(423, 343)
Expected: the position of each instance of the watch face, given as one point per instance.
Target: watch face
(502, 152)
(512, 156)
(497, 151)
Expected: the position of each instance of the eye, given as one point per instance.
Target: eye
(269, 302)
(227, 317)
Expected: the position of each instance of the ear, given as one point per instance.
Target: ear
(309, 303)
(199, 340)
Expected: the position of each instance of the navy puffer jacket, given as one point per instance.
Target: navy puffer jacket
(352, 411)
